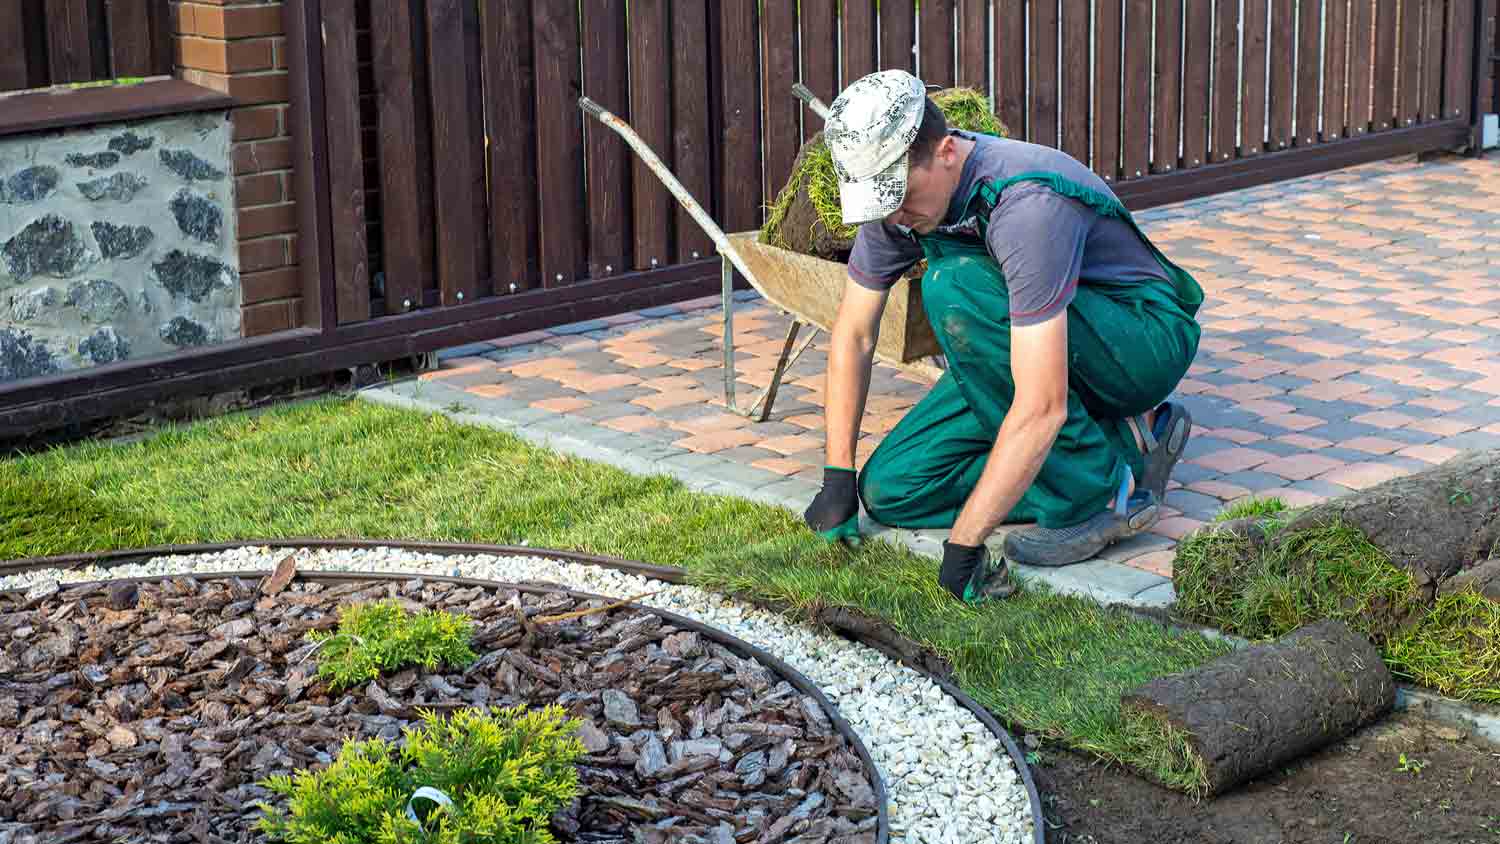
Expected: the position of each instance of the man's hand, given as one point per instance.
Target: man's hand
(834, 513)
(970, 576)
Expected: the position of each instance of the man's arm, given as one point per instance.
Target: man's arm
(1039, 363)
(851, 352)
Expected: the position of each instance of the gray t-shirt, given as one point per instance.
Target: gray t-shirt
(1045, 243)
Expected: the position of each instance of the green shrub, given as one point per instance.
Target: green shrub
(383, 636)
(507, 772)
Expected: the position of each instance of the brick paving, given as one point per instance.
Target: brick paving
(1351, 333)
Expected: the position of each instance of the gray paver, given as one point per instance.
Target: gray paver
(1103, 580)
(1256, 482)
(1159, 596)
(1473, 440)
(1193, 504)
(1326, 489)
(470, 350)
(1141, 543)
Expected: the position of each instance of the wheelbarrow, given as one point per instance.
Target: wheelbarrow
(806, 288)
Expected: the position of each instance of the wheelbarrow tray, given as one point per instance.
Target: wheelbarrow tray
(810, 288)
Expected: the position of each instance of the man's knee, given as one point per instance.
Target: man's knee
(881, 490)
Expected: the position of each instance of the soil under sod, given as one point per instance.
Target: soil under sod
(149, 713)
(1351, 792)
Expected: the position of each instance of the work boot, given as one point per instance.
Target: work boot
(1164, 441)
(1039, 546)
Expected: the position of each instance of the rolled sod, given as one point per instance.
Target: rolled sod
(1253, 710)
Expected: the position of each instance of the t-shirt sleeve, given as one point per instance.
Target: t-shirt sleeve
(1038, 238)
(881, 255)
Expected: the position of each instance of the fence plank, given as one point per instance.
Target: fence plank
(1386, 61)
(1042, 120)
(1166, 148)
(13, 68)
(1459, 58)
(163, 40)
(1135, 143)
(1283, 52)
(651, 117)
(778, 28)
(129, 38)
(1253, 79)
(1409, 92)
(1434, 23)
(1076, 79)
(1226, 81)
(1108, 70)
(1010, 65)
(561, 221)
(739, 118)
(1335, 77)
(405, 140)
(860, 46)
(457, 149)
(1197, 54)
(820, 57)
(510, 102)
(605, 81)
(898, 34)
(351, 255)
(1361, 65)
(935, 62)
(1309, 46)
(70, 55)
(692, 153)
(973, 44)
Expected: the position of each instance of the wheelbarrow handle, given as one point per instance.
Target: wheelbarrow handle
(721, 241)
(807, 96)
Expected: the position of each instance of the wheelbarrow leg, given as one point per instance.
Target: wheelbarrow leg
(790, 352)
(727, 279)
(787, 358)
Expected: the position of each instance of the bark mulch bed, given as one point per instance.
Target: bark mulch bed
(147, 712)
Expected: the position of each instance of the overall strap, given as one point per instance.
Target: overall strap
(1187, 292)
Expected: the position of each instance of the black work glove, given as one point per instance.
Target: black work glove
(834, 513)
(971, 577)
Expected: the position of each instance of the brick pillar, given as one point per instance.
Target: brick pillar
(239, 47)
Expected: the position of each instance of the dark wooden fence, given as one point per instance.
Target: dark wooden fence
(48, 42)
(450, 190)
(485, 179)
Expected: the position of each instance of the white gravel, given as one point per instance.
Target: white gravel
(949, 779)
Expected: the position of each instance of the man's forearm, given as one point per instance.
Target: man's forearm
(849, 361)
(1021, 448)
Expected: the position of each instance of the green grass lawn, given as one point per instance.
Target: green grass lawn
(338, 468)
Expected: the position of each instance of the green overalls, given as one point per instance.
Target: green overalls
(1129, 343)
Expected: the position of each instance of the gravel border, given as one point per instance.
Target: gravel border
(949, 779)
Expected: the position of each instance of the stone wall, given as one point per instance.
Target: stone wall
(116, 242)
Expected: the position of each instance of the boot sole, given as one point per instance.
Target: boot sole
(1161, 462)
(1083, 550)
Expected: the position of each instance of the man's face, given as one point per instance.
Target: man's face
(929, 189)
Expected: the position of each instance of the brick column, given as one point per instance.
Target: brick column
(239, 47)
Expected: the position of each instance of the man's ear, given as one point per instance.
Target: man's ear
(947, 149)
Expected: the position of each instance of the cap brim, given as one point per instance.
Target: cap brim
(874, 198)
